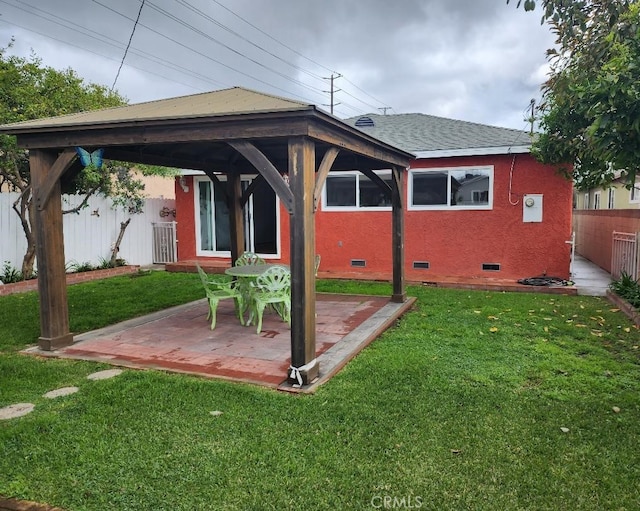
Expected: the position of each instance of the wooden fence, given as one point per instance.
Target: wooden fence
(89, 235)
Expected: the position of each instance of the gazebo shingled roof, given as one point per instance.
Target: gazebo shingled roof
(233, 131)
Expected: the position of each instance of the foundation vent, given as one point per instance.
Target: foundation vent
(358, 263)
(420, 265)
(490, 266)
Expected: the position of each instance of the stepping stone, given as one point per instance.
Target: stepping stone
(13, 411)
(64, 391)
(104, 375)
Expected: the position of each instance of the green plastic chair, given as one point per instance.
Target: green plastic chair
(219, 287)
(273, 288)
(249, 258)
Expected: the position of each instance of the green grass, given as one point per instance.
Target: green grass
(459, 406)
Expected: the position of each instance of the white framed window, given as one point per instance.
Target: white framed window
(634, 193)
(451, 188)
(611, 198)
(585, 202)
(353, 191)
(596, 200)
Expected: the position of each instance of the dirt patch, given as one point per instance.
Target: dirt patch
(25, 505)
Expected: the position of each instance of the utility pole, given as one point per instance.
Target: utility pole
(332, 91)
(384, 109)
(532, 118)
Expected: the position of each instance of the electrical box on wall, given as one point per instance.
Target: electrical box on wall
(532, 207)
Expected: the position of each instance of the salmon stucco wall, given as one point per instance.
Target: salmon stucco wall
(185, 220)
(455, 244)
(458, 243)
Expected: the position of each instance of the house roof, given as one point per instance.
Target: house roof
(235, 100)
(430, 136)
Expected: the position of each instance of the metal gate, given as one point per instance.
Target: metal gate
(624, 257)
(164, 242)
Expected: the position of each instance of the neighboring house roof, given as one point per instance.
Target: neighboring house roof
(235, 100)
(429, 136)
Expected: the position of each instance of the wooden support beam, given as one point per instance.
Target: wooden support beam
(304, 365)
(323, 171)
(216, 181)
(381, 183)
(60, 166)
(397, 233)
(236, 218)
(267, 169)
(52, 278)
(251, 188)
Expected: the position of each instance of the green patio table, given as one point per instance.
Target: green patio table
(246, 274)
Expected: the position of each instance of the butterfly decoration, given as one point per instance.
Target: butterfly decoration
(88, 159)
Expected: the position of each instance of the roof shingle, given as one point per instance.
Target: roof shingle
(420, 132)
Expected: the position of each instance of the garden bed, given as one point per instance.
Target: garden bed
(624, 306)
(72, 278)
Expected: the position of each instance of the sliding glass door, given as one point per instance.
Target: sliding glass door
(261, 220)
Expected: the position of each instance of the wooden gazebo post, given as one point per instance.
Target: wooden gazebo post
(397, 222)
(52, 285)
(304, 365)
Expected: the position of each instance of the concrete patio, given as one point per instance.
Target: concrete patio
(180, 340)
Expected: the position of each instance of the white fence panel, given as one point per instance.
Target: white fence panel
(165, 246)
(90, 234)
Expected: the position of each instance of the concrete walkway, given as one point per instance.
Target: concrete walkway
(589, 278)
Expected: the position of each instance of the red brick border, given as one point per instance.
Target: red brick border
(624, 306)
(72, 278)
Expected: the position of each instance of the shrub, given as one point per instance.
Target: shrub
(80, 267)
(10, 274)
(628, 288)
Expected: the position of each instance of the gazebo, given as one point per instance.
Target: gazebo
(290, 145)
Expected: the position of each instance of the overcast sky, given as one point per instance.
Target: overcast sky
(475, 60)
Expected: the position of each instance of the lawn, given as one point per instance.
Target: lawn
(474, 400)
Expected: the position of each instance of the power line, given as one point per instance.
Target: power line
(147, 56)
(304, 57)
(111, 42)
(128, 44)
(208, 57)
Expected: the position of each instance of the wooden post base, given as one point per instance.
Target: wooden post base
(304, 375)
(51, 344)
(399, 298)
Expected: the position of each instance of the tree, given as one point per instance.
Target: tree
(29, 90)
(590, 113)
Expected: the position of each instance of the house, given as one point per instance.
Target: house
(615, 196)
(477, 206)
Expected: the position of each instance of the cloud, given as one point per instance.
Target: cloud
(480, 61)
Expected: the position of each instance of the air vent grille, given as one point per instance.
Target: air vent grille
(359, 263)
(365, 122)
(490, 267)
